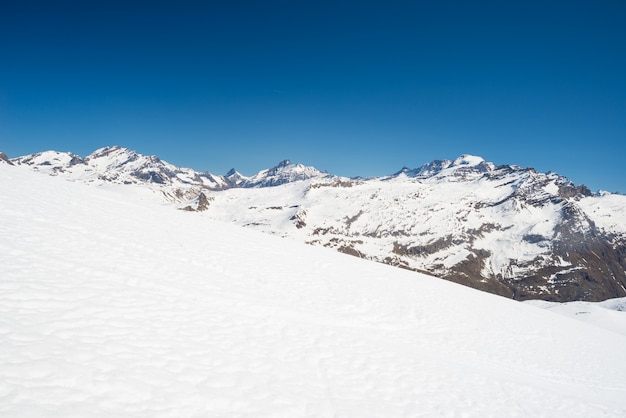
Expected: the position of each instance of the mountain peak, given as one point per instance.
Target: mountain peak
(461, 167)
(468, 160)
(118, 152)
(284, 172)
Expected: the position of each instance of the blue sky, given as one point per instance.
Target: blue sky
(354, 88)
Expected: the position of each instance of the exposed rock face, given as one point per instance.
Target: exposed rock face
(504, 229)
(299, 219)
(4, 159)
(199, 204)
(203, 203)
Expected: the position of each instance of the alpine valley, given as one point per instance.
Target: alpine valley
(505, 229)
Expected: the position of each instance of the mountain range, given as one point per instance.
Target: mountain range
(504, 229)
(114, 304)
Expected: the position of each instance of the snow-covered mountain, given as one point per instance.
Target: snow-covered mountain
(505, 229)
(114, 306)
(508, 230)
(284, 172)
(122, 165)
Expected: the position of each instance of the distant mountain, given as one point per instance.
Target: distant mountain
(504, 229)
(121, 165)
(124, 166)
(284, 172)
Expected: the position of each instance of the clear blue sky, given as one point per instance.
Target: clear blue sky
(351, 87)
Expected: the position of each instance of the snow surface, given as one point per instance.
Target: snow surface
(468, 160)
(607, 211)
(112, 305)
(609, 314)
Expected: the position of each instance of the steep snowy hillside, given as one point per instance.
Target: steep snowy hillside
(505, 229)
(114, 306)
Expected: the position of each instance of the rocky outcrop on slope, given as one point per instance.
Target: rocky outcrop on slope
(199, 204)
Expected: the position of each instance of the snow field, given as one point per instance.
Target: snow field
(609, 314)
(607, 211)
(114, 305)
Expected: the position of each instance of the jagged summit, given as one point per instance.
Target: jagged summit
(284, 172)
(461, 168)
(234, 178)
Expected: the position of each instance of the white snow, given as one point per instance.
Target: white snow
(467, 159)
(551, 188)
(609, 314)
(607, 211)
(113, 305)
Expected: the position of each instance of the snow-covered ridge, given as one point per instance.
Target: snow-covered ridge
(113, 306)
(122, 165)
(284, 172)
(461, 167)
(505, 229)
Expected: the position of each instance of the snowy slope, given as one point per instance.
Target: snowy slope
(609, 314)
(608, 211)
(112, 305)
